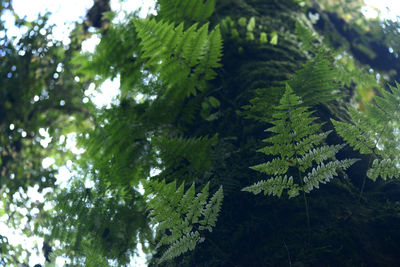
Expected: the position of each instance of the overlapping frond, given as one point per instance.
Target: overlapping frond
(178, 152)
(376, 132)
(316, 82)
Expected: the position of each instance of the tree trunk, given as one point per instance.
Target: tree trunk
(256, 230)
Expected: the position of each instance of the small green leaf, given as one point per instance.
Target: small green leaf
(274, 38)
(251, 25)
(249, 36)
(242, 21)
(213, 102)
(263, 38)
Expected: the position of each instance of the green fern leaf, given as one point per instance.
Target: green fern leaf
(273, 167)
(375, 132)
(211, 210)
(274, 186)
(185, 243)
(318, 155)
(324, 173)
(188, 57)
(296, 144)
(385, 168)
(178, 216)
(354, 136)
(186, 10)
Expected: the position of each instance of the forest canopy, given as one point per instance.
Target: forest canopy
(218, 101)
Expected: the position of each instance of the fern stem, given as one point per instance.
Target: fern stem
(293, 143)
(307, 215)
(288, 253)
(369, 161)
(365, 179)
(305, 202)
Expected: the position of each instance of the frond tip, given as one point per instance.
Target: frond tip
(186, 243)
(274, 186)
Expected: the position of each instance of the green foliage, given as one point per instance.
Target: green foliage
(118, 147)
(177, 118)
(38, 91)
(164, 72)
(187, 56)
(186, 10)
(251, 25)
(96, 224)
(316, 82)
(180, 215)
(274, 38)
(376, 132)
(40, 95)
(296, 145)
(275, 187)
(263, 38)
(177, 157)
(117, 55)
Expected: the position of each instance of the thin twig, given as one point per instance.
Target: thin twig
(288, 253)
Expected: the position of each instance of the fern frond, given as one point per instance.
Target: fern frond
(274, 186)
(316, 82)
(188, 57)
(318, 155)
(197, 205)
(305, 35)
(185, 243)
(186, 10)
(385, 168)
(296, 144)
(176, 151)
(320, 75)
(211, 210)
(311, 141)
(210, 61)
(273, 167)
(178, 216)
(324, 173)
(375, 132)
(354, 136)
